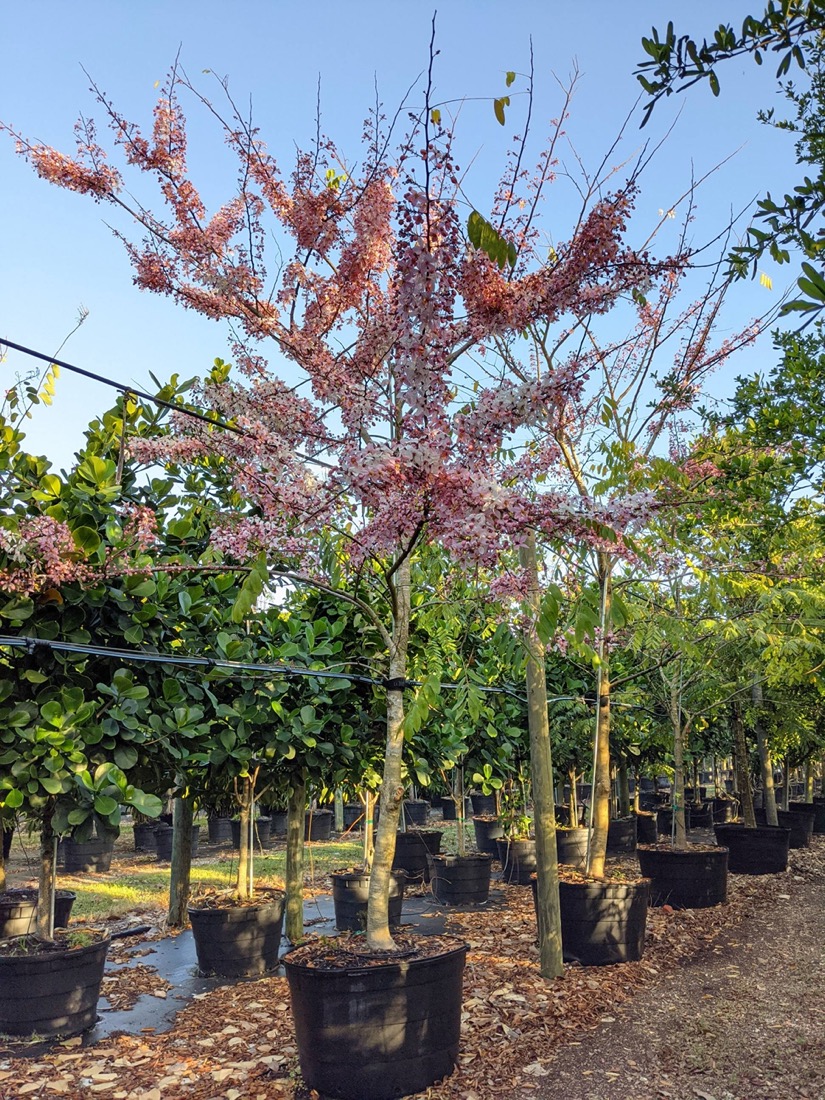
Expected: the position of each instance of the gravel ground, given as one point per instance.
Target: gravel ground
(744, 1022)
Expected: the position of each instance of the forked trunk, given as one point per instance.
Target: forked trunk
(181, 867)
(541, 774)
(392, 790)
(295, 830)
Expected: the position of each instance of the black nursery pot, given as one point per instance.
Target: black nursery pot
(90, 856)
(518, 860)
(724, 810)
(664, 820)
(145, 837)
(488, 832)
(18, 911)
(220, 830)
(240, 942)
(800, 818)
(483, 804)
(378, 1032)
(685, 878)
(416, 811)
(646, 831)
(53, 993)
(164, 835)
(571, 847)
(462, 880)
(621, 836)
(819, 809)
(350, 894)
(318, 824)
(603, 922)
(262, 832)
(414, 851)
(353, 815)
(7, 839)
(449, 809)
(759, 851)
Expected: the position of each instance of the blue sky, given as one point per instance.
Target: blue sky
(59, 256)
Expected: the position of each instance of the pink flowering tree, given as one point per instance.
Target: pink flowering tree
(366, 442)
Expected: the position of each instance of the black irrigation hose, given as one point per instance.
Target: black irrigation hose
(122, 387)
(287, 671)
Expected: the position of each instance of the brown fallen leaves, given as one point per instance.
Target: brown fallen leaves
(237, 1042)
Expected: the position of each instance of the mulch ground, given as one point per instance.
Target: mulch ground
(727, 1004)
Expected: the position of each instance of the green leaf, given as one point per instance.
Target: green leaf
(511, 76)
(104, 805)
(86, 539)
(126, 756)
(13, 799)
(498, 108)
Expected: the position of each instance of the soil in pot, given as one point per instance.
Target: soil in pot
(685, 878)
(603, 922)
(759, 851)
(237, 939)
(52, 989)
(414, 851)
(462, 880)
(571, 847)
(621, 836)
(377, 1027)
(18, 911)
(350, 893)
(518, 860)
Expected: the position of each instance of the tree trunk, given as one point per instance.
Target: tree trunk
(458, 790)
(678, 801)
(245, 795)
(392, 789)
(541, 774)
(786, 782)
(339, 810)
(765, 760)
(46, 878)
(809, 779)
(181, 867)
(743, 779)
(295, 829)
(624, 789)
(601, 757)
(574, 799)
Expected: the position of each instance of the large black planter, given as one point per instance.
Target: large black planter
(621, 836)
(377, 1032)
(240, 942)
(483, 804)
(685, 878)
(7, 838)
(164, 835)
(759, 851)
(603, 922)
(262, 832)
(462, 880)
(414, 851)
(278, 819)
(701, 815)
(800, 818)
(220, 830)
(646, 831)
(488, 830)
(518, 860)
(724, 810)
(350, 893)
(449, 809)
(819, 819)
(93, 855)
(664, 820)
(571, 847)
(318, 824)
(18, 911)
(145, 837)
(51, 993)
(354, 815)
(416, 811)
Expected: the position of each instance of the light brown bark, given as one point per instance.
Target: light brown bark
(181, 866)
(541, 772)
(295, 826)
(743, 779)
